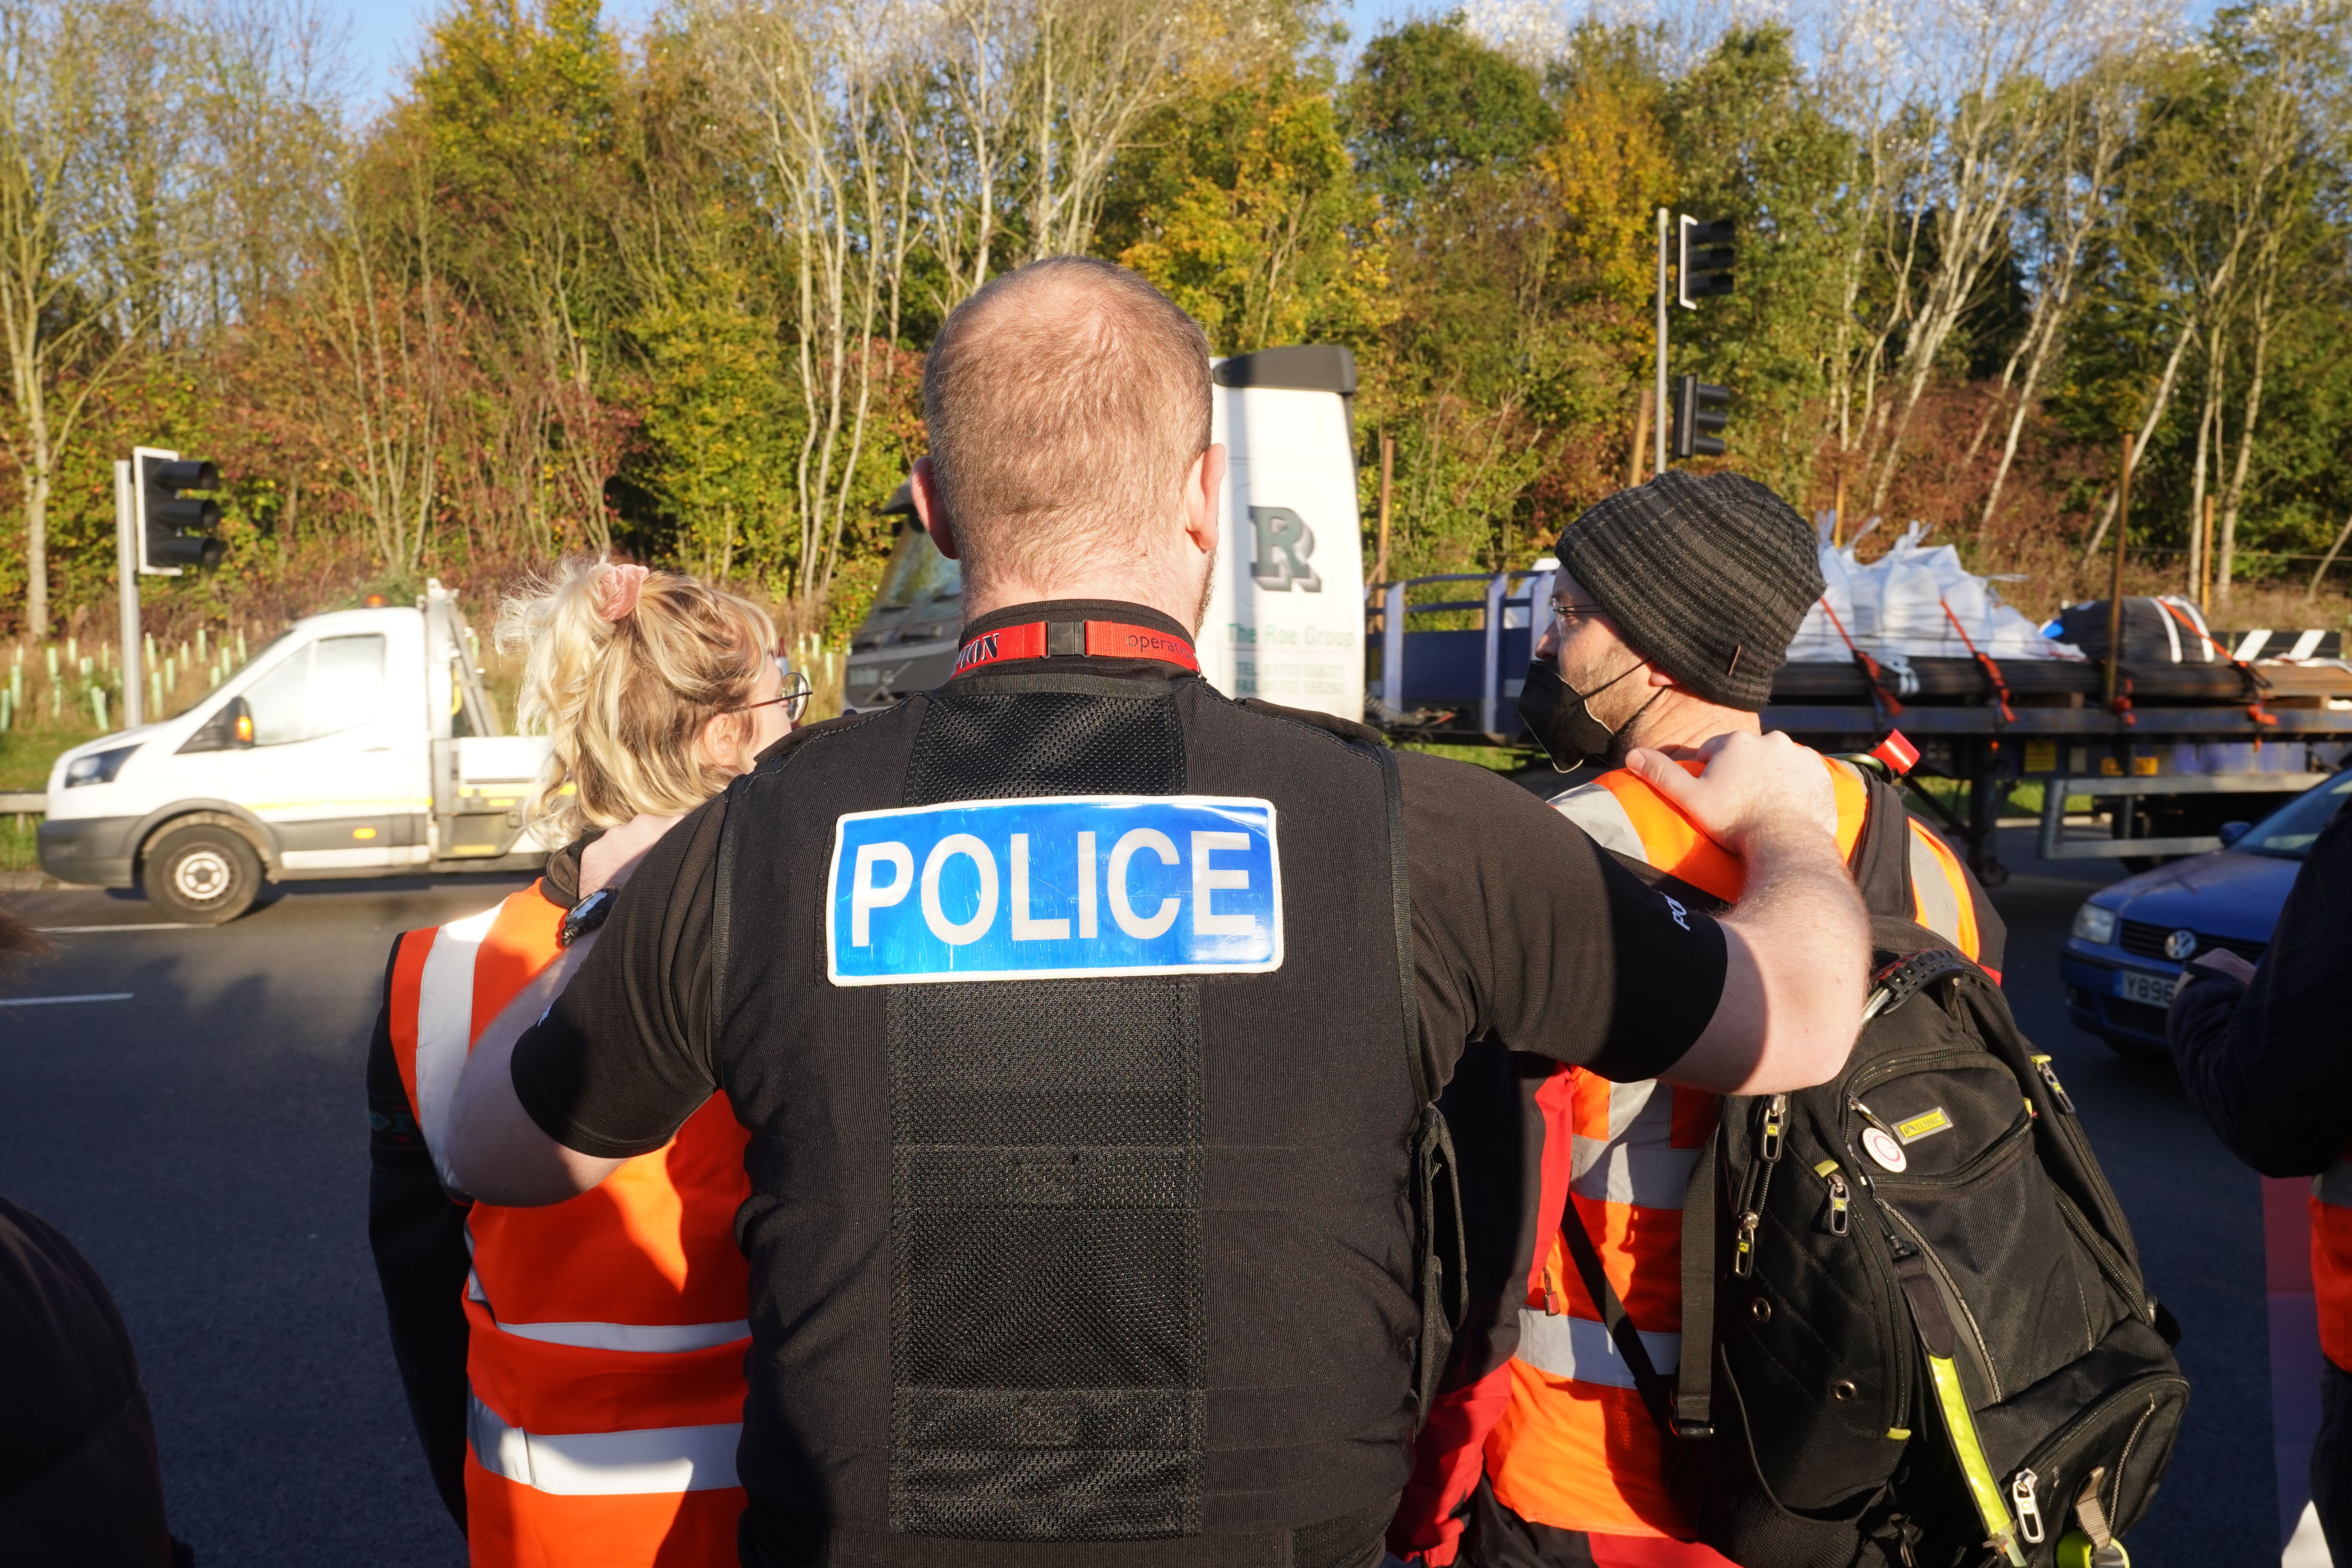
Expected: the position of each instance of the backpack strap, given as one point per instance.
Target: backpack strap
(1656, 1389)
(1881, 862)
(1441, 1230)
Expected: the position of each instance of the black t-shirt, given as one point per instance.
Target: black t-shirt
(1524, 932)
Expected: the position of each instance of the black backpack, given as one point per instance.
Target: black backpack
(1913, 1327)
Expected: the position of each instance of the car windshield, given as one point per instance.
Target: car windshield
(2288, 832)
(917, 572)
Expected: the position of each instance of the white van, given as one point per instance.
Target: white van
(1285, 617)
(360, 743)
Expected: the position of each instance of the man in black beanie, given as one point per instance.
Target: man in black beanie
(1672, 608)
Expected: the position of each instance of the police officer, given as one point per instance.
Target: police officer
(2260, 1049)
(1083, 1018)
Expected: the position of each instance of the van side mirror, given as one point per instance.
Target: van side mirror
(230, 729)
(2233, 831)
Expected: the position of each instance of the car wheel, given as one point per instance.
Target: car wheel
(205, 873)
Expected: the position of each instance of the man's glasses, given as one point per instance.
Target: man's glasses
(1569, 613)
(794, 696)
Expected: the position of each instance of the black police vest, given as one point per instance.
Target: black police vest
(1106, 1270)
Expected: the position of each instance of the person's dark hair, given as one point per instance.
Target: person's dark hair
(19, 944)
(1064, 403)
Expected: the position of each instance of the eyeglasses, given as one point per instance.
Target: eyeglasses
(794, 696)
(1569, 613)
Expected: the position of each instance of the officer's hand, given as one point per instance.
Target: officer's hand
(1753, 786)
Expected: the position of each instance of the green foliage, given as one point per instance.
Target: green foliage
(669, 294)
(1241, 202)
(721, 440)
(1431, 105)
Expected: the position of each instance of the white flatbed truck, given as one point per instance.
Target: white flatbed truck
(358, 743)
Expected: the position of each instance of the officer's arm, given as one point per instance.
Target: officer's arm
(2262, 1055)
(500, 1153)
(1797, 945)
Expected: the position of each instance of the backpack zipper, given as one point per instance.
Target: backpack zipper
(1841, 1200)
(1770, 1137)
(2029, 1508)
(2058, 1452)
(1944, 1277)
(1899, 1364)
(2057, 1090)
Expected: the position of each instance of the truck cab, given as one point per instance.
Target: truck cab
(357, 743)
(1285, 619)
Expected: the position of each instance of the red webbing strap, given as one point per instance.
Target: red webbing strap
(1006, 642)
(1102, 639)
(1984, 660)
(2257, 683)
(1888, 706)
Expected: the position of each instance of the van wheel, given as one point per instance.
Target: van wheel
(205, 875)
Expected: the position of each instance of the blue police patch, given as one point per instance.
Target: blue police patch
(1066, 886)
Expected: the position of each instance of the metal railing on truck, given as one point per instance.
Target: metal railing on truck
(1454, 682)
(1462, 685)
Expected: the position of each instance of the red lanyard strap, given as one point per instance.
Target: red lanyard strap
(1888, 706)
(1098, 639)
(1984, 662)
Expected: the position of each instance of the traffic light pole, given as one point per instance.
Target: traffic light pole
(126, 564)
(1661, 444)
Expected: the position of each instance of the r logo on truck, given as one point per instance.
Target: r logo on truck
(1284, 544)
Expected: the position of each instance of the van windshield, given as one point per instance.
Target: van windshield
(917, 572)
(2288, 832)
(267, 651)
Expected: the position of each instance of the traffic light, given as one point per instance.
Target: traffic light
(175, 531)
(1705, 263)
(1699, 407)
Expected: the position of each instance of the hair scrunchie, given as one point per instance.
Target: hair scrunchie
(617, 589)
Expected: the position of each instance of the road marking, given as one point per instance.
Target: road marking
(84, 931)
(46, 1001)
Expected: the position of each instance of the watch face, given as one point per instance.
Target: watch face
(1884, 1150)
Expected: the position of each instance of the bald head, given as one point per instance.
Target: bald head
(1066, 402)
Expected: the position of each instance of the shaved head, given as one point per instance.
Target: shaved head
(1065, 404)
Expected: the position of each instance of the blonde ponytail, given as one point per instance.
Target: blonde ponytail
(625, 697)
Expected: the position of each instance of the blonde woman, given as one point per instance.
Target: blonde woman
(578, 1387)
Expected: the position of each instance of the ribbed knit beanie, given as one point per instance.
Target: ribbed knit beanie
(1706, 575)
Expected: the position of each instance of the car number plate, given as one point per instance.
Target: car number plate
(2155, 990)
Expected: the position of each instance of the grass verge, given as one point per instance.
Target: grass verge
(1500, 759)
(18, 849)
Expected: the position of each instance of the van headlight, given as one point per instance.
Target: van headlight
(99, 767)
(2094, 925)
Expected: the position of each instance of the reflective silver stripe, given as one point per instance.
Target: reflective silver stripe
(445, 1028)
(2333, 1185)
(641, 1339)
(604, 1464)
(1598, 811)
(1581, 1348)
(1939, 910)
(1637, 1163)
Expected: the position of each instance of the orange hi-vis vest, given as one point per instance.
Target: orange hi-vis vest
(1559, 1430)
(2331, 1257)
(605, 1361)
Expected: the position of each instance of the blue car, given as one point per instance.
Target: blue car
(2130, 940)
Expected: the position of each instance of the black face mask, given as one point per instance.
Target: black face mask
(1562, 724)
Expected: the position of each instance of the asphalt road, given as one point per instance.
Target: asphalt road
(203, 1142)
